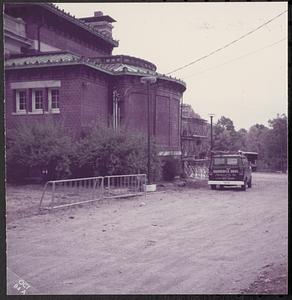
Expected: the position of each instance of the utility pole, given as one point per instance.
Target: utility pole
(211, 121)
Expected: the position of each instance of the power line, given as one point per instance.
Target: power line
(227, 45)
(237, 58)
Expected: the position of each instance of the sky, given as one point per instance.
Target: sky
(246, 82)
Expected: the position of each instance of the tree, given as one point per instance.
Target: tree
(224, 136)
(240, 139)
(255, 142)
(270, 143)
(226, 123)
(276, 141)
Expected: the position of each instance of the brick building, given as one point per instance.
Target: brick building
(194, 134)
(59, 66)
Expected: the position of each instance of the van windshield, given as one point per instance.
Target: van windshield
(222, 161)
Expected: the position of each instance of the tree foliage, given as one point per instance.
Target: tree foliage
(276, 138)
(269, 142)
(224, 136)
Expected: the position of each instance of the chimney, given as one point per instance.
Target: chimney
(100, 22)
(98, 13)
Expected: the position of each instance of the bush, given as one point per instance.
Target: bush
(102, 151)
(171, 168)
(38, 146)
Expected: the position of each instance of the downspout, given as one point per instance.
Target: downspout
(115, 113)
(114, 109)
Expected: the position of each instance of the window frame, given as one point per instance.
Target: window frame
(17, 102)
(33, 102)
(50, 101)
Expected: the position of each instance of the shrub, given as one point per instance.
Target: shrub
(171, 168)
(38, 145)
(99, 151)
(103, 151)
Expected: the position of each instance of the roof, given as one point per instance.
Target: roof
(121, 67)
(194, 119)
(249, 152)
(98, 19)
(53, 59)
(82, 24)
(114, 61)
(221, 153)
(61, 58)
(227, 155)
(193, 137)
(42, 59)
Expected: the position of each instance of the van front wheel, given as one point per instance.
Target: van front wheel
(213, 187)
(243, 187)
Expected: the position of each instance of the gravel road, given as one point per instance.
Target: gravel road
(177, 241)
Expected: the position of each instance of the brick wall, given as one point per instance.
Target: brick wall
(136, 112)
(95, 98)
(162, 120)
(79, 103)
(168, 117)
(86, 96)
(174, 113)
(164, 111)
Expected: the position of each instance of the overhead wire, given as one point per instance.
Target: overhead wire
(227, 45)
(237, 58)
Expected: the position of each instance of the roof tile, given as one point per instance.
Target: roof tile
(55, 58)
(42, 59)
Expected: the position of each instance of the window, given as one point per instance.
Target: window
(36, 97)
(230, 161)
(55, 98)
(54, 104)
(21, 102)
(37, 101)
(219, 161)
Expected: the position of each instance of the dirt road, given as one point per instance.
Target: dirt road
(183, 240)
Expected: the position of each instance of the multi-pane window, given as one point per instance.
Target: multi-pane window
(21, 105)
(21, 102)
(38, 104)
(55, 99)
(36, 97)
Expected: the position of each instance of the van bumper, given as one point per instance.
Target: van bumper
(225, 182)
